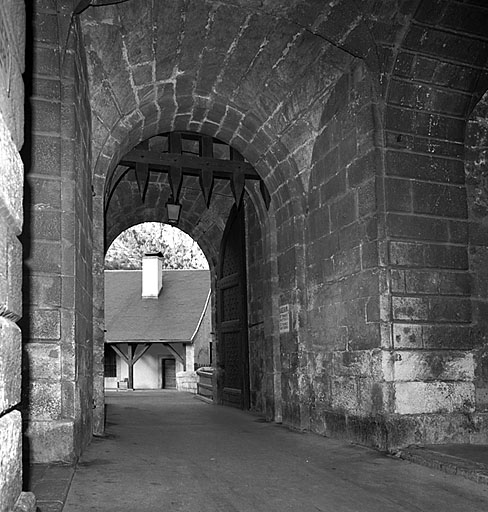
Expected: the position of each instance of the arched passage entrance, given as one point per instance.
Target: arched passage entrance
(157, 309)
(205, 177)
(273, 81)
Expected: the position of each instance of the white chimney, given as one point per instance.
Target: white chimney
(152, 275)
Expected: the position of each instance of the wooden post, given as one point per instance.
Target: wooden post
(131, 348)
(131, 358)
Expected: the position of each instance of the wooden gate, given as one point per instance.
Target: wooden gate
(233, 350)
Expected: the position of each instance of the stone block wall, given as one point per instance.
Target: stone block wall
(430, 368)
(476, 172)
(57, 286)
(344, 282)
(12, 61)
(79, 116)
(260, 346)
(187, 381)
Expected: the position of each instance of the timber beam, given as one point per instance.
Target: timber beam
(177, 355)
(190, 164)
(172, 159)
(131, 358)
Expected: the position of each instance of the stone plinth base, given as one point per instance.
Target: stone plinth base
(51, 441)
(10, 460)
(26, 503)
(186, 381)
(390, 433)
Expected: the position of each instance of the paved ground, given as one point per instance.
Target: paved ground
(167, 451)
(468, 461)
(50, 484)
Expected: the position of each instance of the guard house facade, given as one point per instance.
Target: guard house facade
(159, 319)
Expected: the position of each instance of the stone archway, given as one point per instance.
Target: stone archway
(206, 207)
(260, 88)
(260, 78)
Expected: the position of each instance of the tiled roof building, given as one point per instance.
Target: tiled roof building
(159, 331)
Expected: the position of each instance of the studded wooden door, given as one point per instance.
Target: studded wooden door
(233, 351)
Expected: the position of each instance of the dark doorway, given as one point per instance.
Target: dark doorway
(233, 350)
(110, 361)
(169, 374)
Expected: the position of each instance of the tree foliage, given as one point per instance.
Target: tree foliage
(178, 249)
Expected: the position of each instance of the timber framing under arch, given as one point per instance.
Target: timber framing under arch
(179, 154)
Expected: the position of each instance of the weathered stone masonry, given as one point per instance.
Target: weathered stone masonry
(434, 331)
(58, 279)
(12, 51)
(475, 167)
(367, 123)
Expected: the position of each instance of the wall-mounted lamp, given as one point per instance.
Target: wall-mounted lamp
(173, 210)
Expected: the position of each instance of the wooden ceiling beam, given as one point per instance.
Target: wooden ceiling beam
(191, 165)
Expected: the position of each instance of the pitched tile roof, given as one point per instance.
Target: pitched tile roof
(173, 316)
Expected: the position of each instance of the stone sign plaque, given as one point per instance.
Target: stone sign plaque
(284, 318)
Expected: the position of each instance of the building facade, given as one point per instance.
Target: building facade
(157, 327)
